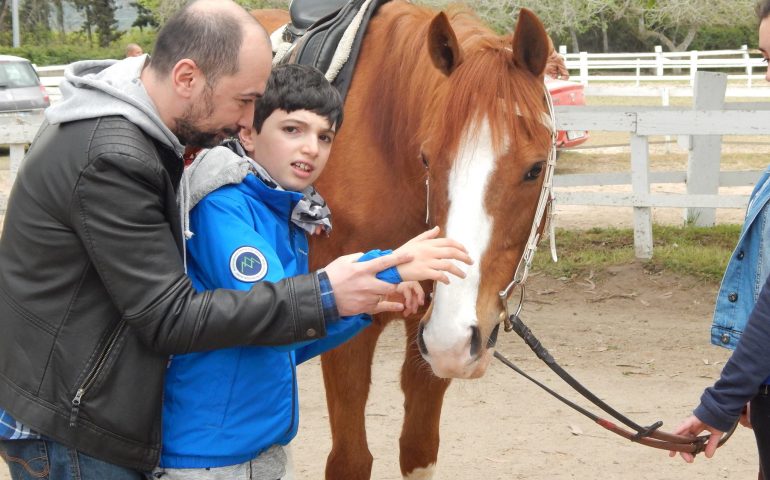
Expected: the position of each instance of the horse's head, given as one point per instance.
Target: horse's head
(486, 141)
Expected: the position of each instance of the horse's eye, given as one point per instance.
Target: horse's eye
(534, 172)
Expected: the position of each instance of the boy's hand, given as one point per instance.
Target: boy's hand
(414, 296)
(357, 290)
(432, 257)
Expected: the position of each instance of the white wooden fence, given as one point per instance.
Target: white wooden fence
(741, 64)
(700, 127)
(658, 66)
(50, 77)
(17, 131)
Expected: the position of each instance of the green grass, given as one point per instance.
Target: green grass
(700, 252)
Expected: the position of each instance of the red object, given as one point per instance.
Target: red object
(190, 154)
(567, 93)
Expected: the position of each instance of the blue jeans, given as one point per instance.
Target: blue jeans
(49, 460)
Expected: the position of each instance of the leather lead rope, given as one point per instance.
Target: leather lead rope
(650, 436)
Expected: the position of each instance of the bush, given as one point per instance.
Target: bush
(76, 48)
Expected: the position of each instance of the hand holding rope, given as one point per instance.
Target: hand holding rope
(650, 435)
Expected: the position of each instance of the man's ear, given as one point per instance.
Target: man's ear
(245, 136)
(187, 78)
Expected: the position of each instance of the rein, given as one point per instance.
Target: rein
(649, 435)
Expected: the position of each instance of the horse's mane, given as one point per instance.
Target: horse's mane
(487, 84)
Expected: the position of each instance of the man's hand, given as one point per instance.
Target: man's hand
(357, 290)
(432, 257)
(555, 67)
(692, 426)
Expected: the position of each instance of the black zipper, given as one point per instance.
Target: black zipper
(293, 392)
(94, 373)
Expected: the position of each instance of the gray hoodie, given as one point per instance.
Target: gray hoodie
(99, 88)
(215, 168)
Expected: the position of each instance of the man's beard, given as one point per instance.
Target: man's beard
(188, 132)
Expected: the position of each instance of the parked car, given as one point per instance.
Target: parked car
(20, 87)
(565, 92)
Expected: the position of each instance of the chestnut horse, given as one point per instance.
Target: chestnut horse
(436, 97)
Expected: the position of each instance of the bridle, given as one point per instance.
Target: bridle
(543, 213)
(650, 435)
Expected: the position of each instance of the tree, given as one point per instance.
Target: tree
(675, 23)
(103, 15)
(58, 6)
(99, 14)
(144, 16)
(33, 17)
(570, 17)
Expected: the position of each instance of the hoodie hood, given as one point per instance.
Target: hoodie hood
(212, 169)
(98, 88)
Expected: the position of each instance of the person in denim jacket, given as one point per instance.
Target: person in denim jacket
(742, 323)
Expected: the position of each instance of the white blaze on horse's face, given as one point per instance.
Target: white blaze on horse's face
(449, 333)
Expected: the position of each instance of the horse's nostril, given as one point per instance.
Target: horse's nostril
(475, 341)
(421, 341)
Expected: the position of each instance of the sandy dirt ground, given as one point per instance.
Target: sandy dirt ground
(639, 341)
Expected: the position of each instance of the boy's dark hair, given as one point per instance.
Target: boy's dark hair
(293, 87)
(763, 9)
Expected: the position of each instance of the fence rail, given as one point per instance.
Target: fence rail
(586, 68)
(702, 128)
(17, 131)
(663, 66)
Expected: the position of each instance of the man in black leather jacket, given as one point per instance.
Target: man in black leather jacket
(93, 291)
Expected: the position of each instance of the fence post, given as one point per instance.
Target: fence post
(584, 68)
(640, 184)
(665, 100)
(693, 66)
(747, 59)
(659, 61)
(705, 150)
(638, 71)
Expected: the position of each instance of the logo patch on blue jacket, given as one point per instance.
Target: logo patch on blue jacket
(248, 264)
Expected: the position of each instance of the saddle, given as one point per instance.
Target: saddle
(326, 34)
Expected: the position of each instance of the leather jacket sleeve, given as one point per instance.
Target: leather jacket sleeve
(121, 213)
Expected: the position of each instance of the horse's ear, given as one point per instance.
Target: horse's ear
(442, 45)
(531, 45)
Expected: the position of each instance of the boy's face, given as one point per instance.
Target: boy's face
(292, 147)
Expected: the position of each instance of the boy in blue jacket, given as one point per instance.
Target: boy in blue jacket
(228, 413)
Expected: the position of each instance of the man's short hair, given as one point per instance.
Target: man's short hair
(763, 9)
(212, 40)
(299, 87)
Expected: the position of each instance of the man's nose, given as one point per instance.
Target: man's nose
(246, 119)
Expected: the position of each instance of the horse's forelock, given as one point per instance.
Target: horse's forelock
(487, 87)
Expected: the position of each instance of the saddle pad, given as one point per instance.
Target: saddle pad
(333, 43)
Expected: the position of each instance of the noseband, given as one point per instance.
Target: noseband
(650, 435)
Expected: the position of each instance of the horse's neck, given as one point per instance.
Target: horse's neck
(398, 79)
